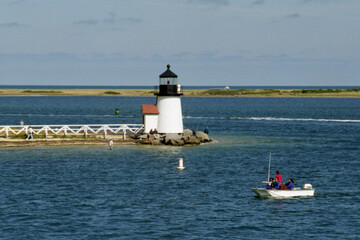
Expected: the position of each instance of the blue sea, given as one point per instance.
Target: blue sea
(137, 192)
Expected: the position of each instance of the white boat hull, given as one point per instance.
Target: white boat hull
(262, 192)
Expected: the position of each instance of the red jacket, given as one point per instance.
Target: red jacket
(279, 177)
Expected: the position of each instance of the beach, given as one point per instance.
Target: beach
(355, 92)
(10, 142)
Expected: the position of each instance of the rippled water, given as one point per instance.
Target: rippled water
(137, 192)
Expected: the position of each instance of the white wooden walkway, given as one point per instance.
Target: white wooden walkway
(73, 130)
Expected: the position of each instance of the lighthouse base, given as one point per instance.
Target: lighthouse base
(170, 116)
(185, 139)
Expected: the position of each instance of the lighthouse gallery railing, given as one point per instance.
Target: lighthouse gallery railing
(73, 130)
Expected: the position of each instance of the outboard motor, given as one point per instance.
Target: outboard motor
(307, 186)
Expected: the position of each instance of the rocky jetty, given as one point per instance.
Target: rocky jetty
(185, 139)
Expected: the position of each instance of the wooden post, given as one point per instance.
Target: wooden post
(105, 131)
(85, 132)
(7, 132)
(46, 132)
(124, 131)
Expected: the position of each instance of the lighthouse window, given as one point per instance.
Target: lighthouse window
(168, 81)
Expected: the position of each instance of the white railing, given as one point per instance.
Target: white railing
(73, 130)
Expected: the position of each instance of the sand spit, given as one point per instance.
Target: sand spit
(186, 92)
(5, 143)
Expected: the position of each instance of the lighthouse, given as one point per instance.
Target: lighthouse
(168, 103)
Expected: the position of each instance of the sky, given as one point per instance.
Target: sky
(206, 42)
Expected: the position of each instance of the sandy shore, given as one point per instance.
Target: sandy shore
(186, 92)
(6, 143)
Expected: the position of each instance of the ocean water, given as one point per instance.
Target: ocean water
(137, 192)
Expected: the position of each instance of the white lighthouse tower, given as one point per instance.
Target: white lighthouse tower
(168, 103)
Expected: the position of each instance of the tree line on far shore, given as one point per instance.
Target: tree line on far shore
(237, 92)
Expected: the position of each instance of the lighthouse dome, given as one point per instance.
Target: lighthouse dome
(168, 84)
(168, 73)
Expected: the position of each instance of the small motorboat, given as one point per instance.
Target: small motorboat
(305, 191)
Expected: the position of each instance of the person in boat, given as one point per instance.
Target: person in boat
(290, 184)
(278, 176)
(270, 184)
(275, 184)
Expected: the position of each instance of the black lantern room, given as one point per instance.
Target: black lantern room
(169, 84)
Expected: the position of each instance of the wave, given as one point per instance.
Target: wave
(191, 117)
(296, 119)
(279, 119)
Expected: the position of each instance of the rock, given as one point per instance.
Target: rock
(203, 137)
(186, 138)
(144, 141)
(155, 142)
(143, 136)
(172, 136)
(169, 142)
(192, 140)
(187, 132)
(175, 139)
(176, 143)
(181, 143)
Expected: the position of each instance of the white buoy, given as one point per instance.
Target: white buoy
(181, 164)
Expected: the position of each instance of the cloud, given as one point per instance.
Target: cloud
(294, 15)
(270, 56)
(17, 1)
(110, 19)
(321, 1)
(187, 56)
(215, 2)
(38, 57)
(87, 22)
(69, 57)
(258, 2)
(132, 20)
(309, 1)
(11, 25)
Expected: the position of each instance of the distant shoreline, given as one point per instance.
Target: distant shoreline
(354, 92)
(151, 87)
